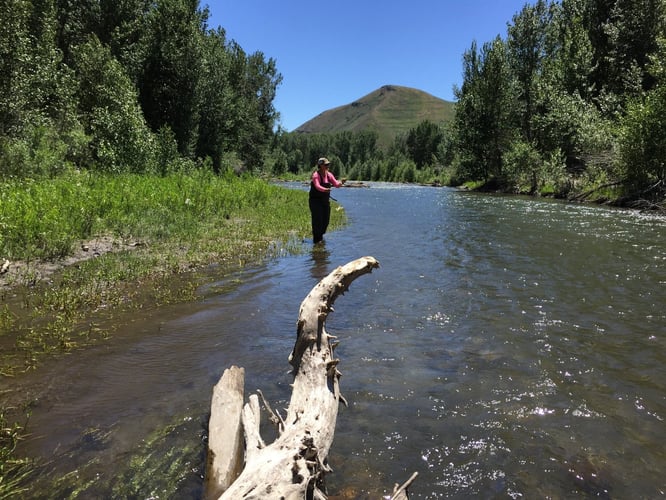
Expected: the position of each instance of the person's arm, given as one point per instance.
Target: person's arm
(333, 180)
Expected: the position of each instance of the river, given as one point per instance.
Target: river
(507, 347)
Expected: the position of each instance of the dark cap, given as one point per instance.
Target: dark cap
(323, 161)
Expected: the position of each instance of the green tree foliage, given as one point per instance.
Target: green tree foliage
(216, 120)
(39, 129)
(172, 72)
(526, 43)
(416, 156)
(423, 143)
(485, 113)
(576, 88)
(255, 81)
(623, 35)
(643, 137)
(111, 85)
(121, 140)
(351, 150)
(569, 62)
(643, 145)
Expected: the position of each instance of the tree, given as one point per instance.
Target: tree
(171, 77)
(485, 113)
(526, 44)
(39, 129)
(623, 35)
(259, 86)
(643, 137)
(569, 54)
(15, 67)
(423, 142)
(643, 146)
(111, 113)
(218, 116)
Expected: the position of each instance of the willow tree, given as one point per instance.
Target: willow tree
(38, 119)
(526, 43)
(172, 71)
(485, 112)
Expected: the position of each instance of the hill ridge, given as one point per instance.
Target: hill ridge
(389, 110)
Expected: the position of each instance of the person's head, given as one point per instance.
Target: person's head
(323, 163)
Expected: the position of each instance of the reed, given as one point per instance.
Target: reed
(14, 472)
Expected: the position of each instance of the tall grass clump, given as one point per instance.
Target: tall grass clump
(43, 219)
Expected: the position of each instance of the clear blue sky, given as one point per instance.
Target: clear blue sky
(331, 53)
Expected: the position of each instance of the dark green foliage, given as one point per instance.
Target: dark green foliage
(39, 128)
(526, 54)
(89, 84)
(643, 145)
(541, 111)
(107, 99)
(643, 137)
(486, 113)
(172, 72)
(422, 143)
(416, 156)
(623, 35)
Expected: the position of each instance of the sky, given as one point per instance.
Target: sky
(332, 53)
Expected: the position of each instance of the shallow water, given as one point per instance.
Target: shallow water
(507, 347)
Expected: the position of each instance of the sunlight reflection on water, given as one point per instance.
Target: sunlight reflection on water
(505, 347)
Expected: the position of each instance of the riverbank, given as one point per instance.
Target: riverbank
(83, 246)
(81, 250)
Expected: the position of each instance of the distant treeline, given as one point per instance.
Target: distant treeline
(131, 86)
(570, 103)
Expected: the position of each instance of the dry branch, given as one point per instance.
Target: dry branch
(294, 465)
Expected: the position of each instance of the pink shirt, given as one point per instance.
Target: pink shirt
(317, 180)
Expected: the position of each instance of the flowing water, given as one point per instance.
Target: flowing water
(507, 347)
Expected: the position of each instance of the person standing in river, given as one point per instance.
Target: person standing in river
(320, 193)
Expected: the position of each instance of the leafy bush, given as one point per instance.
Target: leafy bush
(39, 153)
(122, 142)
(643, 144)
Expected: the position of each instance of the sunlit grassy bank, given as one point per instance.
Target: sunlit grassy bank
(159, 228)
(161, 231)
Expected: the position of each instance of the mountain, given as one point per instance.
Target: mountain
(390, 110)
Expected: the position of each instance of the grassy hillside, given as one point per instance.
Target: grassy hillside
(390, 110)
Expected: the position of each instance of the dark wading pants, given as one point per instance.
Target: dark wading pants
(320, 209)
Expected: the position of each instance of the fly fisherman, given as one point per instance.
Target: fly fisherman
(320, 193)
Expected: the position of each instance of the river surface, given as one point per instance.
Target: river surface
(507, 347)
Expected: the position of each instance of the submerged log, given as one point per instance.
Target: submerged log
(295, 464)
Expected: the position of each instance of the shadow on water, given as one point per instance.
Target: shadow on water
(321, 261)
(506, 347)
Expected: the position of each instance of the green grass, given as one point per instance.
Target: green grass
(182, 223)
(44, 219)
(473, 185)
(14, 471)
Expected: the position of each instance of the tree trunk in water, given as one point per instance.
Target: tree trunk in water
(294, 465)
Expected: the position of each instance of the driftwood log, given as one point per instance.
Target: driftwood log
(295, 464)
